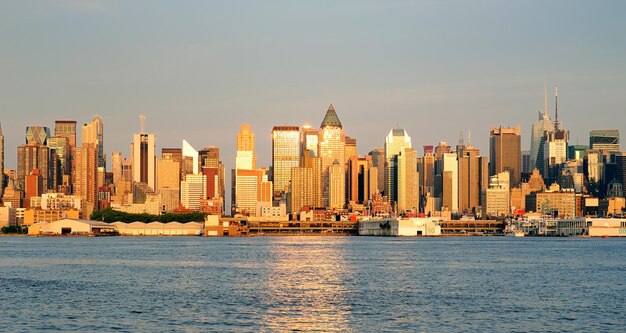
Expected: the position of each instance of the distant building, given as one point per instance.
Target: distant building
(192, 190)
(144, 159)
(497, 201)
(606, 141)
(505, 153)
(331, 149)
(285, 155)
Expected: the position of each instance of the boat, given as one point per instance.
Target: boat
(512, 231)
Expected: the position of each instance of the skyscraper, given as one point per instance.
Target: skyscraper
(407, 180)
(331, 148)
(309, 139)
(84, 176)
(67, 129)
(245, 159)
(213, 168)
(543, 124)
(192, 189)
(38, 135)
(472, 180)
(606, 141)
(505, 153)
(395, 142)
(449, 181)
(192, 154)
(93, 133)
(116, 166)
(362, 179)
(32, 156)
(555, 146)
(378, 161)
(336, 185)
(143, 158)
(285, 155)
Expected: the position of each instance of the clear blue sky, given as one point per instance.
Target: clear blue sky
(198, 69)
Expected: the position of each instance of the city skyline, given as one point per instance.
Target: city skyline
(204, 76)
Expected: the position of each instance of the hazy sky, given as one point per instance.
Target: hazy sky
(198, 69)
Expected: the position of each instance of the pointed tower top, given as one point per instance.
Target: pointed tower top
(331, 119)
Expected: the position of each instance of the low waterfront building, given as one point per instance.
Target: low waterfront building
(602, 227)
(32, 216)
(400, 227)
(159, 228)
(72, 227)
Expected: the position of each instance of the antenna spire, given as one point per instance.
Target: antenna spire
(545, 97)
(556, 107)
(469, 137)
(142, 119)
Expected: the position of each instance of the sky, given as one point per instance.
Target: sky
(199, 69)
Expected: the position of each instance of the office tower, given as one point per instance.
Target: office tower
(213, 168)
(66, 129)
(168, 182)
(192, 156)
(505, 153)
(1, 162)
(331, 148)
(245, 159)
(37, 135)
(60, 161)
(378, 161)
(309, 139)
(32, 156)
(427, 171)
(555, 146)
(336, 185)
(301, 188)
(606, 141)
(84, 176)
(209, 157)
(248, 190)
(449, 181)
(526, 166)
(285, 155)
(116, 166)
(497, 199)
(442, 148)
(143, 158)
(470, 182)
(539, 127)
(362, 179)
(350, 149)
(175, 154)
(192, 189)
(407, 180)
(309, 160)
(577, 152)
(93, 133)
(395, 142)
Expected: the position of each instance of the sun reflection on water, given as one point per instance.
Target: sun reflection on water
(306, 286)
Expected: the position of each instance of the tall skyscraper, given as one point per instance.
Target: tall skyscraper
(427, 172)
(93, 133)
(192, 189)
(449, 181)
(497, 196)
(301, 188)
(331, 148)
(395, 142)
(309, 160)
(1, 162)
(469, 180)
(116, 166)
(378, 161)
(60, 162)
(84, 176)
(505, 153)
(245, 159)
(309, 139)
(543, 124)
(37, 135)
(67, 129)
(407, 180)
(606, 141)
(362, 179)
(144, 159)
(285, 155)
(192, 154)
(32, 156)
(213, 168)
(336, 185)
(350, 149)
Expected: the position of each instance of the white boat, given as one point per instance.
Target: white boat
(514, 233)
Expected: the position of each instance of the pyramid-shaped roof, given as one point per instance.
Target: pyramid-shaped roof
(331, 119)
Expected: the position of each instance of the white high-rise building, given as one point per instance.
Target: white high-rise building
(189, 151)
(192, 189)
(395, 142)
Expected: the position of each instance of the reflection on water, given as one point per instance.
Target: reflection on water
(324, 284)
(306, 286)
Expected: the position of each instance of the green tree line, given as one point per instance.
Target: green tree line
(109, 215)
